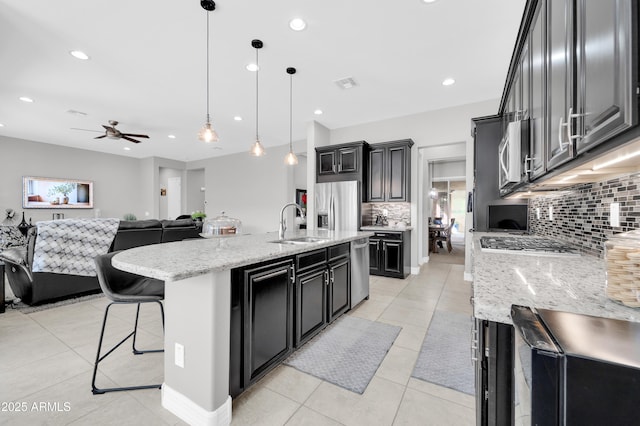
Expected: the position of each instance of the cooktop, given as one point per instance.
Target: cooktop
(527, 245)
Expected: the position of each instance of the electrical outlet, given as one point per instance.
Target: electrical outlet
(551, 213)
(614, 214)
(538, 213)
(179, 355)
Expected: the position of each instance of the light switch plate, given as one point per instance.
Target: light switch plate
(614, 214)
(179, 355)
(551, 213)
(538, 213)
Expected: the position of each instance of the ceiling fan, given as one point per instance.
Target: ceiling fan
(112, 133)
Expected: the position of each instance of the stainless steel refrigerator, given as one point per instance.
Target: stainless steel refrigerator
(338, 209)
(338, 206)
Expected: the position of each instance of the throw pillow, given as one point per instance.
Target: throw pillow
(10, 236)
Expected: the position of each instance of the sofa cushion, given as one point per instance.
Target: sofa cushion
(10, 236)
(140, 224)
(178, 223)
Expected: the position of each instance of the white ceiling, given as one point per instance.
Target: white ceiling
(147, 67)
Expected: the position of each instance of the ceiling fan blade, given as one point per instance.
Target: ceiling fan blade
(86, 130)
(135, 135)
(108, 128)
(129, 139)
(100, 137)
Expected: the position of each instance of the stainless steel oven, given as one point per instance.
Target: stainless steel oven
(572, 369)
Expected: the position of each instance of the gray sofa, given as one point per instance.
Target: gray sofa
(38, 287)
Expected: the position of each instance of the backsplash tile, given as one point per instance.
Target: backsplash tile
(581, 213)
(396, 212)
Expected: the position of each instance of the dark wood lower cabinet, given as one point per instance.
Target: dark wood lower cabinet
(276, 307)
(311, 302)
(339, 288)
(390, 254)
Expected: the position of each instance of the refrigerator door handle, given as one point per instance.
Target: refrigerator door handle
(332, 214)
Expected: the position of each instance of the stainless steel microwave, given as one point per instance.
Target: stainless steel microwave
(510, 154)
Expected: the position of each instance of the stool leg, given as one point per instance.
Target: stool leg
(95, 365)
(135, 332)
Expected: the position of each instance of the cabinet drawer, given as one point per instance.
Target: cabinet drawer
(339, 251)
(311, 259)
(388, 235)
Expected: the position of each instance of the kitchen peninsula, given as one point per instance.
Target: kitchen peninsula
(198, 294)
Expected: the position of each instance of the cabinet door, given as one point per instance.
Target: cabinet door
(326, 163)
(538, 122)
(268, 326)
(392, 261)
(559, 81)
(374, 257)
(311, 298)
(525, 107)
(348, 160)
(397, 172)
(376, 178)
(605, 88)
(339, 288)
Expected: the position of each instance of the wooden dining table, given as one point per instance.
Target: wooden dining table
(434, 231)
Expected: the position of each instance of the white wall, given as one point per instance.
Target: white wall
(164, 173)
(252, 189)
(441, 127)
(116, 191)
(195, 195)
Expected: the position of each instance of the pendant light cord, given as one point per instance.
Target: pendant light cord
(257, 72)
(290, 112)
(207, 67)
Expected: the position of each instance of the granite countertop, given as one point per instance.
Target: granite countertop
(385, 228)
(189, 258)
(567, 283)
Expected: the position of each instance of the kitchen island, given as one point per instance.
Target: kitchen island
(563, 283)
(197, 275)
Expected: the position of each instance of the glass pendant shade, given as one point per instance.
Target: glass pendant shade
(207, 133)
(291, 159)
(257, 150)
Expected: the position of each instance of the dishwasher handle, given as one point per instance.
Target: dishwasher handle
(358, 245)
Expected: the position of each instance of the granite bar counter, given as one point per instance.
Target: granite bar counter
(197, 276)
(563, 283)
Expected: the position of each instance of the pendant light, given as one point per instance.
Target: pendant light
(291, 158)
(207, 133)
(257, 150)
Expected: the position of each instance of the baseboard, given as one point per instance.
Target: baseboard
(191, 412)
(415, 270)
(468, 276)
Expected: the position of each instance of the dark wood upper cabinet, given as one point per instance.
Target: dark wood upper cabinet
(389, 171)
(342, 162)
(574, 75)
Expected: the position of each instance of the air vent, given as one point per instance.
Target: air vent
(346, 83)
(73, 111)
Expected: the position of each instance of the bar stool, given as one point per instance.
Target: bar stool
(123, 287)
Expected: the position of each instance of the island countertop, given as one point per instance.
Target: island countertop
(565, 283)
(189, 258)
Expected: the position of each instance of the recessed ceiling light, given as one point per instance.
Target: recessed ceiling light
(126, 148)
(237, 118)
(297, 24)
(25, 99)
(171, 136)
(253, 67)
(1, 125)
(318, 112)
(78, 54)
(448, 82)
(428, 1)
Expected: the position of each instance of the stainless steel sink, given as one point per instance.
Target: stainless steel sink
(301, 240)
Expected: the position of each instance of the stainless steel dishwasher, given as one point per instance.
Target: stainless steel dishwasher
(359, 271)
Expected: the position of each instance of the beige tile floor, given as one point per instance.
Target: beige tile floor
(47, 357)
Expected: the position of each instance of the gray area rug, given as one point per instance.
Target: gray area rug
(347, 353)
(445, 358)
(28, 309)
